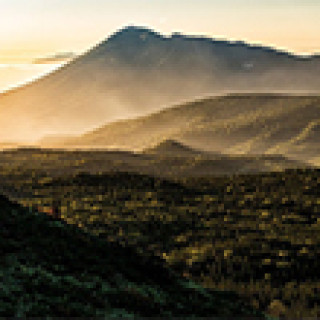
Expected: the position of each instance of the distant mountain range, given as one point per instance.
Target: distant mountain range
(235, 124)
(137, 71)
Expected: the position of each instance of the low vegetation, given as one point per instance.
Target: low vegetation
(51, 269)
(256, 235)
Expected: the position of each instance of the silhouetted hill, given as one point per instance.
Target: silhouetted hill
(172, 147)
(50, 268)
(235, 124)
(137, 71)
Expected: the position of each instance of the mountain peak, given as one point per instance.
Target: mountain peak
(133, 30)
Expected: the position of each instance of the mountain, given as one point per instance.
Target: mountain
(173, 148)
(230, 125)
(52, 269)
(137, 71)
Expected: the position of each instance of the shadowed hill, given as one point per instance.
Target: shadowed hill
(137, 71)
(172, 147)
(50, 268)
(235, 124)
(174, 164)
(256, 234)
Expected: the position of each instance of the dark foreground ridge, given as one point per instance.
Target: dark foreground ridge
(50, 268)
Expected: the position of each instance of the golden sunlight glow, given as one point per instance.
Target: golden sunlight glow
(35, 28)
(14, 75)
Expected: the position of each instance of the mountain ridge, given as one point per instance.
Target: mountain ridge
(234, 124)
(142, 30)
(138, 71)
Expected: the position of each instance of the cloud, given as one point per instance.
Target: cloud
(55, 58)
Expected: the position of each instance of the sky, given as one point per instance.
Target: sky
(37, 35)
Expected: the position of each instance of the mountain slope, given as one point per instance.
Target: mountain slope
(137, 71)
(256, 234)
(235, 124)
(50, 268)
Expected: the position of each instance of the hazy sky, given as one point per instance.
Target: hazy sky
(31, 29)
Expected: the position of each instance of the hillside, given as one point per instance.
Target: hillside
(137, 71)
(53, 269)
(234, 124)
(257, 235)
(15, 165)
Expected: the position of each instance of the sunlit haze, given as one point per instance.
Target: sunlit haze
(33, 29)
